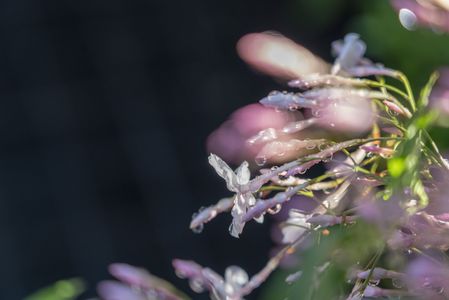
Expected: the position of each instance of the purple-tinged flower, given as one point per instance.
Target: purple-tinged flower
(372, 70)
(262, 206)
(382, 151)
(328, 95)
(114, 290)
(287, 101)
(206, 214)
(229, 141)
(237, 182)
(263, 136)
(399, 110)
(428, 231)
(227, 288)
(278, 56)
(295, 226)
(294, 127)
(377, 292)
(286, 149)
(347, 167)
(334, 201)
(323, 80)
(349, 52)
(379, 273)
(428, 279)
(136, 284)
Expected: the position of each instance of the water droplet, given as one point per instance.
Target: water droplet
(180, 274)
(310, 146)
(236, 276)
(275, 209)
(273, 93)
(327, 191)
(198, 229)
(407, 18)
(374, 282)
(397, 283)
(260, 160)
(317, 113)
(280, 154)
(196, 285)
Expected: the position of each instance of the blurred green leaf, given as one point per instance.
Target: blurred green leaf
(67, 289)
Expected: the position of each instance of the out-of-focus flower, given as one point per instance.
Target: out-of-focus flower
(230, 140)
(428, 279)
(206, 214)
(349, 52)
(428, 231)
(227, 288)
(382, 151)
(432, 13)
(277, 56)
(378, 274)
(136, 284)
(288, 149)
(295, 226)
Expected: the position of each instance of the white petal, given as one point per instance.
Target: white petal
(351, 53)
(222, 169)
(294, 226)
(243, 173)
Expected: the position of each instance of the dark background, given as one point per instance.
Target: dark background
(105, 107)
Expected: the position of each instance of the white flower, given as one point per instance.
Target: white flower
(349, 52)
(295, 226)
(228, 288)
(237, 181)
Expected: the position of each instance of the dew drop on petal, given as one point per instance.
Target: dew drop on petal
(273, 93)
(198, 229)
(407, 18)
(317, 113)
(275, 209)
(397, 283)
(236, 276)
(280, 154)
(374, 282)
(260, 160)
(310, 146)
(196, 285)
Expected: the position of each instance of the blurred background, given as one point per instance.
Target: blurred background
(105, 108)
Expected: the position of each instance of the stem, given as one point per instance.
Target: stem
(436, 150)
(401, 76)
(373, 83)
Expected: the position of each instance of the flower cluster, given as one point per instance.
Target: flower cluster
(379, 224)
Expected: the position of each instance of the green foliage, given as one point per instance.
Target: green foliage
(338, 247)
(68, 289)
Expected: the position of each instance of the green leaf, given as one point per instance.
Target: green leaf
(67, 289)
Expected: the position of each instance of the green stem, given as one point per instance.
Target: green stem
(401, 76)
